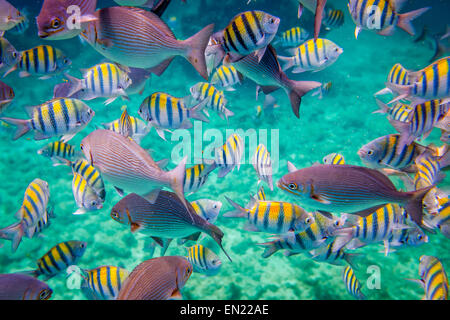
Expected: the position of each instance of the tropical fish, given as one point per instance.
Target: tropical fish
(405, 237)
(17, 286)
(426, 84)
(229, 155)
(398, 112)
(43, 60)
(332, 254)
(263, 165)
(226, 77)
(33, 208)
(386, 152)
(57, 117)
(334, 158)
(351, 189)
(421, 121)
(90, 174)
(247, 33)
(22, 26)
(59, 150)
(382, 16)
(129, 126)
(9, 16)
(313, 55)
(9, 56)
(433, 278)
(398, 75)
(269, 77)
(103, 283)
(271, 216)
(127, 166)
(352, 284)
(138, 38)
(204, 260)
(58, 258)
(86, 197)
(6, 96)
(107, 80)
(318, 8)
(164, 112)
(157, 279)
(44, 222)
(441, 219)
(168, 217)
(261, 195)
(56, 18)
(333, 18)
(207, 209)
(215, 100)
(293, 37)
(197, 176)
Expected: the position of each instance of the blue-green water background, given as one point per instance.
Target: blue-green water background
(340, 122)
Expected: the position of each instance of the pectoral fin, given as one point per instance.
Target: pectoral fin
(319, 199)
(135, 227)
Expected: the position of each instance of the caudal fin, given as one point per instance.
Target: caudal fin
(270, 248)
(196, 46)
(239, 211)
(414, 205)
(383, 107)
(297, 89)
(405, 19)
(14, 233)
(23, 126)
(286, 62)
(75, 85)
(195, 112)
(176, 177)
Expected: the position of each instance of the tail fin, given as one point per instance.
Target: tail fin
(14, 233)
(270, 249)
(228, 113)
(75, 85)
(297, 89)
(217, 235)
(405, 19)
(239, 211)
(23, 126)
(383, 107)
(195, 113)
(444, 156)
(414, 205)
(196, 46)
(286, 62)
(402, 91)
(176, 178)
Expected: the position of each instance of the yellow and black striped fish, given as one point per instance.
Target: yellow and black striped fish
(204, 91)
(229, 155)
(207, 209)
(399, 112)
(92, 176)
(352, 284)
(293, 37)
(58, 258)
(42, 60)
(129, 126)
(196, 177)
(204, 260)
(263, 165)
(226, 77)
(103, 283)
(261, 195)
(334, 158)
(433, 278)
(86, 197)
(58, 150)
(333, 18)
(440, 219)
(397, 76)
(333, 254)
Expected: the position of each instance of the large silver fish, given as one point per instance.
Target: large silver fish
(138, 38)
(129, 167)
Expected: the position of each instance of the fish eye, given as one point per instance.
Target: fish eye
(93, 203)
(336, 223)
(44, 294)
(370, 152)
(81, 146)
(56, 23)
(14, 54)
(272, 20)
(292, 186)
(114, 214)
(419, 237)
(308, 220)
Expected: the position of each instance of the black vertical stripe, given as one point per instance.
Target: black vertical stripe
(248, 29)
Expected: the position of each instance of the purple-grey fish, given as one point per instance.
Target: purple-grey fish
(157, 279)
(167, 217)
(16, 286)
(138, 38)
(351, 189)
(268, 75)
(129, 167)
(6, 96)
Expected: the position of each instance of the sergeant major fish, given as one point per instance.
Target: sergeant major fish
(229, 155)
(433, 278)
(263, 165)
(204, 260)
(103, 283)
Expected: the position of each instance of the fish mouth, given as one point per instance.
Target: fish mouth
(360, 153)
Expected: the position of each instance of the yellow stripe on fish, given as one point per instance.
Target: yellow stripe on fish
(104, 283)
(352, 284)
(42, 60)
(203, 259)
(229, 155)
(334, 158)
(434, 279)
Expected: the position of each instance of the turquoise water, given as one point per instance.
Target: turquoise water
(340, 122)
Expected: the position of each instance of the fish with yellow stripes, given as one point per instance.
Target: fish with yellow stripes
(90, 174)
(399, 112)
(382, 16)
(33, 209)
(433, 278)
(247, 33)
(225, 77)
(332, 254)
(59, 150)
(165, 112)
(421, 121)
(333, 18)
(86, 197)
(261, 195)
(196, 176)
(58, 258)
(207, 209)
(104, 80)
(204, 260)
(441, 219)
(333, 158)
(271, 216)
(313, 55)
(103, 283)
(43, 60)
(429, 83)
(398, 75)
(57, 117)
(129, 126)
(229, 155)
(263, 165)
(293, 37)
(215, 99)
(44, 222)
(352, 284)
(405, 237)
